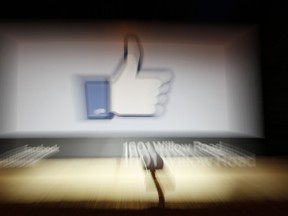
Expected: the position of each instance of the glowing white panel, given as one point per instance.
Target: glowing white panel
(214, 91)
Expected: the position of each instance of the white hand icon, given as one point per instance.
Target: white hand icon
(135, 92)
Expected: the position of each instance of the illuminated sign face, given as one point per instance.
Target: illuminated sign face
(131, 91)
(180, 81)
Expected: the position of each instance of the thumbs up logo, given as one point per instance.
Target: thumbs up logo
(131, 90)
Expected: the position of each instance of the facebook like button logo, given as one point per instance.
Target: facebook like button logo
(131, 90)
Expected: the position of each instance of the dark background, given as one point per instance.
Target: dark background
(270, 18)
